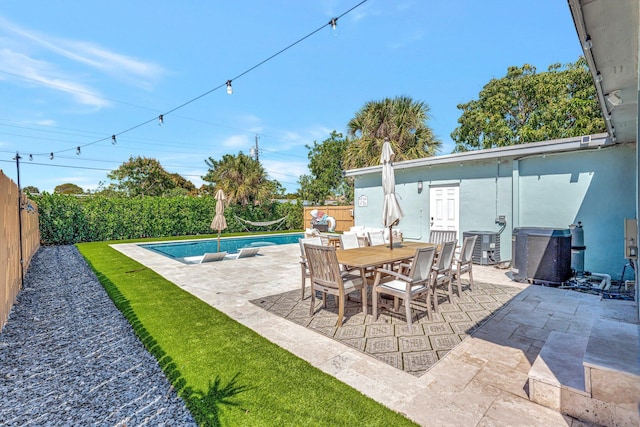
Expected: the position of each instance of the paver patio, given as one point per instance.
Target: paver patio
(482, 381)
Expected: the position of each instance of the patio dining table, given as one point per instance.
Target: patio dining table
(367, 257)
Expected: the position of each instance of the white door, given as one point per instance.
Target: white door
(444, 201)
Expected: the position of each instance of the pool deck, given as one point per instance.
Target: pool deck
(481, 382)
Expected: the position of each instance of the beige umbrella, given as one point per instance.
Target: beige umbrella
(219, 221)
(391, 211)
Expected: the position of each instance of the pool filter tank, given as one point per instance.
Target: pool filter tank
(577, 249)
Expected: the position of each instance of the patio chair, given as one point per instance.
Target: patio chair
(463, 264)
(417, 282)
(376, 238)
(442, 270)
(212, 256)
(441, 236)
(304, 267)
(349, 241)
(327, 278)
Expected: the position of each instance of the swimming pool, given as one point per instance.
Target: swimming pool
(183, 249)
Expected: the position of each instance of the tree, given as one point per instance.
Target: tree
(182, 185)
(242, 178)
(326, 166)
(68, 188)
(402, 120)
(526, 106)
(30, 189)
(142, 176)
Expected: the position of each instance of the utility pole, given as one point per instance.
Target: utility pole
(17, 159)
(257, 152)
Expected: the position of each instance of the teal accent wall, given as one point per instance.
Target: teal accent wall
(595, 186)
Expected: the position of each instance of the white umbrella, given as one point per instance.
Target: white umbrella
(219, 221)
(391, 211)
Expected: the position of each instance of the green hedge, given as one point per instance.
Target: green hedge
(67, 219)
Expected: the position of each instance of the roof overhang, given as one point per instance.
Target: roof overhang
(587, 142)
(608, 32)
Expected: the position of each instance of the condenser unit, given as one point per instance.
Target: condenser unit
(487, 248)
(541, 255)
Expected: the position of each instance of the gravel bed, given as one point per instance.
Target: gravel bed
(69, 357)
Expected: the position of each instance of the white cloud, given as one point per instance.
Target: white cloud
(239, 142)
(45, 74)
(23, 56)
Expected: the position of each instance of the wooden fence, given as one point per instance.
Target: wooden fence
(10, 242)
(342, 214)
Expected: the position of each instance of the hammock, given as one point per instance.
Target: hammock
(261, 223)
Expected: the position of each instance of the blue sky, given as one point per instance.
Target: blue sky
(72, 73)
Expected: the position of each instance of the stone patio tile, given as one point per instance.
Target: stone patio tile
(508, 410)
(451, 374)
(446, 407)
(504, 377)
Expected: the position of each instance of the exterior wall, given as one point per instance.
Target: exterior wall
(592, 186)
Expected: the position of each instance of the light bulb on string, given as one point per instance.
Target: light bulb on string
(160, 120)
(51, 156)
(229, 88)
(334, 26)
(78, 150)
(30, 157)
(113, 140)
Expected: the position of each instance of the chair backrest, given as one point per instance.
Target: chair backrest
(376, 238)
(441, 236)
(445, 257)
(247, 252)
(324, 268)
(308, 240)
(212, 256)
(422, 264)
(349, 241)
(466, 252)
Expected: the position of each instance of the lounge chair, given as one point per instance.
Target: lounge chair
(212, 256)
(247, 252)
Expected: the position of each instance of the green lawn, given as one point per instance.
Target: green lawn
(227, 374)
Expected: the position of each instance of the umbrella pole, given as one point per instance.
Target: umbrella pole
(391, 237)
(218, 240)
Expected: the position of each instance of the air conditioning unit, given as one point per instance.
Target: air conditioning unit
(541, 255)
(487, 248)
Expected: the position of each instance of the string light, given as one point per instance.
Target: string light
(30, 157)
(332, 23)
(78, 150)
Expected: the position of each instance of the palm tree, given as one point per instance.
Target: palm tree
(402, 120)
(242, 178)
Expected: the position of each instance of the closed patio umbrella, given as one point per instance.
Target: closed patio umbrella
(391, 211)
(219, 221)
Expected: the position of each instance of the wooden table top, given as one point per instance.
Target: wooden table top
(370, 256)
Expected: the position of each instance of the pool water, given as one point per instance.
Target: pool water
(192, 248)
